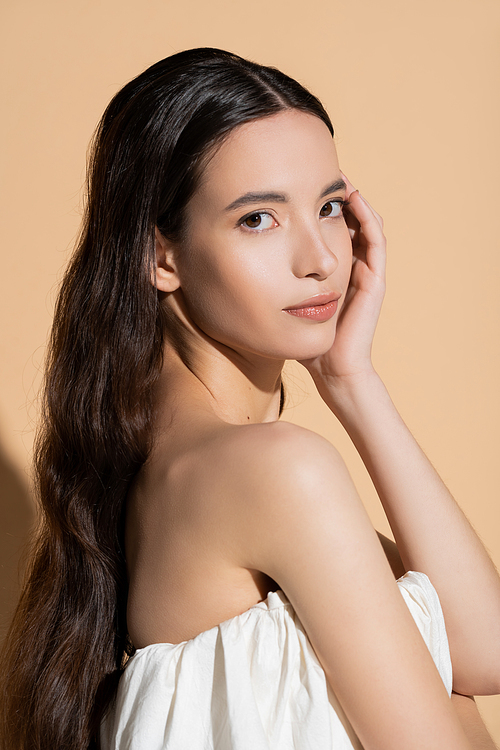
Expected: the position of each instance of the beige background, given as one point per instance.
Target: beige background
(412, 91)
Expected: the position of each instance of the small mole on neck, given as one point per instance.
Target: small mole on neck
(248, 417)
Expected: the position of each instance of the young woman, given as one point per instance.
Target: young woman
(218, 562)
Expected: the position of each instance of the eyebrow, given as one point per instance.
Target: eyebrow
(269, 197)
(334, 188)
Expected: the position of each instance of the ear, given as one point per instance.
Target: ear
(165, 276)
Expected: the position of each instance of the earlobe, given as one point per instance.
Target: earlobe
(165, 276)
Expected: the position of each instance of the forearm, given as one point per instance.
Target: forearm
(472, 723)
(432, 534)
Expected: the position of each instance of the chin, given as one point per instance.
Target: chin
(284, 346)
(313, 347)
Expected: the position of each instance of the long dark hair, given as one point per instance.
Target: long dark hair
(68, 641)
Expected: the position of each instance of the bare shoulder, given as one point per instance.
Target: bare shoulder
(283, 452)
(284, 479)
(278, 465)
(300, 521)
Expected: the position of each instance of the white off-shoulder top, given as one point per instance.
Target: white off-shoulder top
(251, 683)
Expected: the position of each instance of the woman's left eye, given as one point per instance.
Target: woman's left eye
(258, 220)
(333, 208)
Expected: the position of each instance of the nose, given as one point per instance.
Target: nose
(313, 257)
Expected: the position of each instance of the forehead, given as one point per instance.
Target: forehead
(291, 151)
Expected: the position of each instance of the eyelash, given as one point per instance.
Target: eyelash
(343, 205)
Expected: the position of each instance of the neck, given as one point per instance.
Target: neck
(236, 388)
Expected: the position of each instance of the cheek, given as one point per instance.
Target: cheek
(202, 288)
(226, 292)
(231, 269)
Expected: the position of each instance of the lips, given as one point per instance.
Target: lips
(320, 307)
(318, 299)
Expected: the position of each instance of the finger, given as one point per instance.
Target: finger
(370, 221)
(373, 240)
(353, 226)
(349, 186)
(379, 218)
(351, 189)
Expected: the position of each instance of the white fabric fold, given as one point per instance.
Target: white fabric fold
(251, 683)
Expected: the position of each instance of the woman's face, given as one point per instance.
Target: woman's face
(265, 235)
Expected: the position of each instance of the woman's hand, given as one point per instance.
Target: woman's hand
(350, 355)
(432, 534)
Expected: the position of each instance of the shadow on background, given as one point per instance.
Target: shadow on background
(17, 515)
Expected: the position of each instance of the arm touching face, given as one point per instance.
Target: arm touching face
(300, 520)
(433, 536)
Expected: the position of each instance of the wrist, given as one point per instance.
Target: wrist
(360, 402)
(341, 392)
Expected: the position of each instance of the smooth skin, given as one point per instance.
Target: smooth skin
(233, 503)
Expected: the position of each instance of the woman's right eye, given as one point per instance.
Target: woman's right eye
(259, 220)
